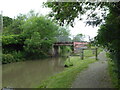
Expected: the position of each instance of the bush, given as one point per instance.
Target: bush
(65, 50)
(18, 56)
(68, 62)
(12, 39)
(7, 58)
(12, 57)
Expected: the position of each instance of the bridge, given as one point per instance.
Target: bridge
(75, 46)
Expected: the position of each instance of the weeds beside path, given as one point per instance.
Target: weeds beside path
(95, 76)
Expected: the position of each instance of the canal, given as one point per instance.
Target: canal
(29, 74)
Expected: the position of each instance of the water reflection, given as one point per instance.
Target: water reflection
(29, 74)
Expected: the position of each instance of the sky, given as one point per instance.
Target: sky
(12, 8)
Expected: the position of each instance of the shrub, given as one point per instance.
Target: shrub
(18, 56)
(65, 50)
(12, 57)
(7, 58)
(68, 62)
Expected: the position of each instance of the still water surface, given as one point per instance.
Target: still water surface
(29, 74)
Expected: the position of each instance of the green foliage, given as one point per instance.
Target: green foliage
(7, 58)
(68, 62)
(18, 56)
(12, 57)
(39, 32)
(89, 53)
(64, 31)
(63, 35)
(66, 12)
(65, 50)
(30, 36)
(78, 38)
(41, 24)
(33, 43)
(113, 74)
(12, 39)
(7, 21)
(15, 26)
(109, 34)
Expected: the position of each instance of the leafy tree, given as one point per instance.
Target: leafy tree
(108, 35)
(33, 44)
(63, 35)
(66, 12)
(14, 27)
(78, 38)
(7, 21)
(39, 32)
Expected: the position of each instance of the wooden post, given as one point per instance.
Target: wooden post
(96, 54)
(82, 54)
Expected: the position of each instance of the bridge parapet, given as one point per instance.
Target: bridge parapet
(63, 43)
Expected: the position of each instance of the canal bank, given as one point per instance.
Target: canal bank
(65, 79)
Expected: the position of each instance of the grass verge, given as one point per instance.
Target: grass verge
(113, 74)
(65, 78)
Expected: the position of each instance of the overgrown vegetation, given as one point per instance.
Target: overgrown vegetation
(29, 36)
(113, 72)
(65, 50)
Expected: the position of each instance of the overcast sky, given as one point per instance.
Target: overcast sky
(12, 8)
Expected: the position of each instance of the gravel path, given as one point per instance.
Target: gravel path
(95, 76)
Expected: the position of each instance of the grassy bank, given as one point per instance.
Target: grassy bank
(113, 71)
(65, 78)
(113, 74)
(89, 52)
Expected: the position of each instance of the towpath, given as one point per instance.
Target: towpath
(95, 76)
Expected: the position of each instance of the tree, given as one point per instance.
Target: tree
(63, 35)
(13, 26)
(66, 12)
(39, 32)
(78, 38)
(7, 21)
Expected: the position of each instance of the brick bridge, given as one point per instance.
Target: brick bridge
(75, 46)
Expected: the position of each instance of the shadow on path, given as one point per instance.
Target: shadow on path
(95, 76)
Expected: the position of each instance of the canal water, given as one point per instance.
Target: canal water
(29, 74)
